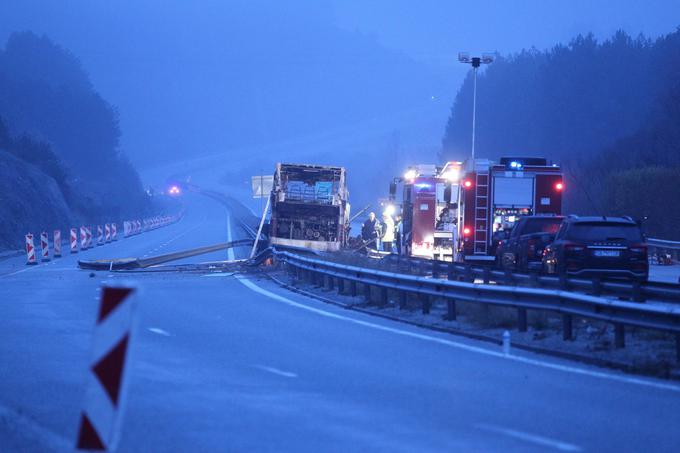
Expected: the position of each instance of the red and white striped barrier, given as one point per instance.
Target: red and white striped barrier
(56, 237)
(88, 231)
(107, 232)
(102, 415)
(83, 238)
(44, 246)
(30, 250)
(100, 235)
(74, 240)
(114, 232)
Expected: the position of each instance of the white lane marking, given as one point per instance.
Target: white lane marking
(528, 437)
(466, 347)
(219, 274)
(276, 371)
(23, 270)
(159, 331)
(230, 251)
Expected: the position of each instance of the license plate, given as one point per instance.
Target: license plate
(607, 253)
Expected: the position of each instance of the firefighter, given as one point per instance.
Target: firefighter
(370, 231)
(388, 232)
(398, 227)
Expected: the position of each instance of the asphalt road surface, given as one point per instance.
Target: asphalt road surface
(235, 363)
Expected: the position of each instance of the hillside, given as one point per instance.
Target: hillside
(59, 143)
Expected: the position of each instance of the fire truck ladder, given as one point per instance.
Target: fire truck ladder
(481, 213)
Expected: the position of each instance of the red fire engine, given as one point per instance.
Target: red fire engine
(429, 209)
(494, 195)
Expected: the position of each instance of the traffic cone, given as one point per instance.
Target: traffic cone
(57, 243)
(30, 250)
(44, 246)
(74, 240)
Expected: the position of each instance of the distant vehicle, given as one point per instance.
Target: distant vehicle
(598, 247)
(521, 249)
(309, 207)
(494, 196)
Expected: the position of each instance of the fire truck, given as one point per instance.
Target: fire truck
(494, 195)
(429, 207)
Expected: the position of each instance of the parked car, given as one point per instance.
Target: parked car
(522, 249)
(598, 247)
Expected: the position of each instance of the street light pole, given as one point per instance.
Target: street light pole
(476, 62)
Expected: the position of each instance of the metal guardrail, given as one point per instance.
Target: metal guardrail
(568, 304)
(662, 243)
(636, 291)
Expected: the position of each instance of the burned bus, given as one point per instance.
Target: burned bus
(309, 207)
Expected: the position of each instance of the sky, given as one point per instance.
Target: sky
(204, 77)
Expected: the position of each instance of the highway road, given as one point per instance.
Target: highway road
(235, 363)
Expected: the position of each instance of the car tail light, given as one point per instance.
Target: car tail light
(467, 183)
(466, 231)
(559, 186)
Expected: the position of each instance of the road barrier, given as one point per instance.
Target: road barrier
(44, 246)
(30, 250)
(101, 417)
(105, 234)
(83, 238)
(635, 290)
(569, 304)
(56, 237)
(74, 240)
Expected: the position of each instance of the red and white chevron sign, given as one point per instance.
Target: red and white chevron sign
(114, 232)
(100, 235)
(83, 238)
(45, 246)
(30, 250)
(56, 240)
(101, 418)
(107, 232)
(74, 240)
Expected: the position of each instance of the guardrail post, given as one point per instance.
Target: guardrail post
(468, 273)
(508, 277)
(383, 296)
(597, 286)
(533, 279)
(367, 292)
(331, 282)
(677, 347)
(522, 319)
(450, 309)
(487, 275)
(435, 269)
(341, 286)
(567, 329)
(426, 303)
(403, 297)
(451, 274)
(564, 283)
(619, 335)
(637, 292)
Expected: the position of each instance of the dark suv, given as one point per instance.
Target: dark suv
(522, 249)
(598, 247)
